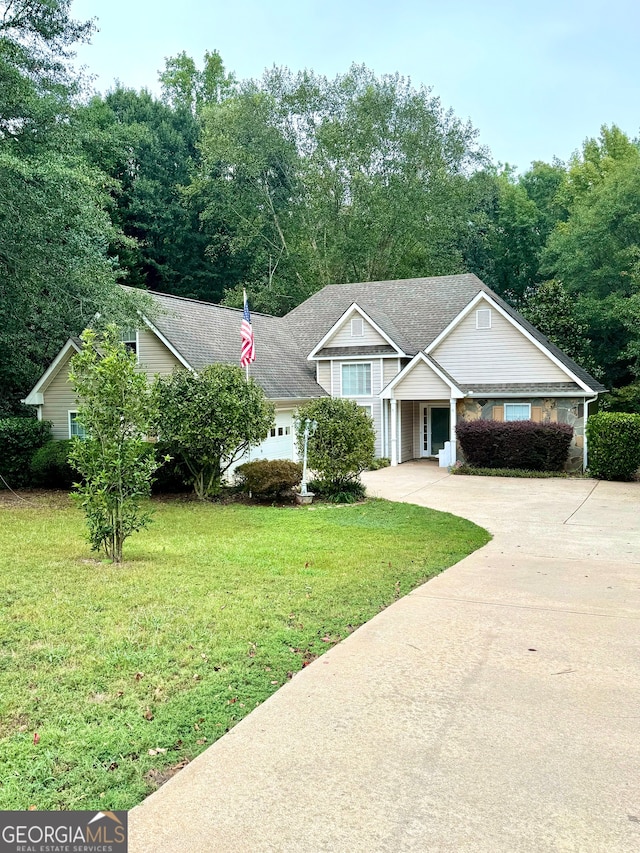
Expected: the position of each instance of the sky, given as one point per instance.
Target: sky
(534, 77)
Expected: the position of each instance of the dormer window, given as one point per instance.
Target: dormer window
(483, 318)
(357, 327)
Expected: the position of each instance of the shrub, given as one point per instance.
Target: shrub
(269, 479)
(19, 440)
(515, 444)
(613, 441)
(343, 443)
(379, 462)
(50, 468)
(344, 492)
(209, 420)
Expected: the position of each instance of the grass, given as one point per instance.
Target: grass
(112, 678)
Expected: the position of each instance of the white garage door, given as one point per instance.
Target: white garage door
(279, 443)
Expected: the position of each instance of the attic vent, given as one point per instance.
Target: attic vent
(483, 318)
(357, 327)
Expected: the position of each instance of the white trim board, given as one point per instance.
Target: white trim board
(34, 397)
(346, 315)
(167, 343)
(456, 392)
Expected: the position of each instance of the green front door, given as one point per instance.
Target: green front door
(440, 429)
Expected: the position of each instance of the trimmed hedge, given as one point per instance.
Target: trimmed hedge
(50, 468)
(19, 440)
(269, 479)
(515, 444)
(613, 442)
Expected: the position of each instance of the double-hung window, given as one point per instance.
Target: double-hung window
(130, 340)
(76, 429)
(517, 411)
(356, 380)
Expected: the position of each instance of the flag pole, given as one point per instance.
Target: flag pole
(247, 350)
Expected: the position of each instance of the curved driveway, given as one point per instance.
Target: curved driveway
(496, 708)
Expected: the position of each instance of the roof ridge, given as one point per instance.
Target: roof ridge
(191, 299)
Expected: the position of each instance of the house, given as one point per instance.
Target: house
(418, 354)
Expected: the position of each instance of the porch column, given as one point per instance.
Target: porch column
(452, 430)
(394, 432)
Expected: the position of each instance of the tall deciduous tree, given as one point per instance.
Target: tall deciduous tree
(186, 87)
(149, 150)
(596, 251)
(313, 181)
(54, 230)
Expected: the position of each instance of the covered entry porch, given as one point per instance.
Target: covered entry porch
(419, 412)
(418, 429)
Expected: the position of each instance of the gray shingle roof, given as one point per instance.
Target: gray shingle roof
(204, 333)
(412, 311)
(535, 389)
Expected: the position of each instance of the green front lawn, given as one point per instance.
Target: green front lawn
(111, 677)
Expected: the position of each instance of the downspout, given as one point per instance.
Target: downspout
(585, 454)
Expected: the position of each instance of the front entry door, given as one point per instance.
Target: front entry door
(436, 429)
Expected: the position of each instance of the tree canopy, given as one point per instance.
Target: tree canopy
(282, 185)
(55, 229)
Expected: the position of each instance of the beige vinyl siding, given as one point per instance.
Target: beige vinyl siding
(406, 430)
(59, 400)
(499, 354)
(373, 401)
(342, 336)
(376, 414)
(421, 383)
(153, 356)
(324, 375)
(390, 368)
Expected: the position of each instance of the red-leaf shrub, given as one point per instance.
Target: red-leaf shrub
(515, 444)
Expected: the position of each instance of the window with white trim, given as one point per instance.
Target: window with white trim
(76, 429)
(357, 327)
(130, 340)
(356, 380)
(483, 318)
(368, 409)
(517, 411)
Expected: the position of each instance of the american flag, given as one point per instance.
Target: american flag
(247, 348)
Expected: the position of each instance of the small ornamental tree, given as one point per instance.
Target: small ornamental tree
(342, 446)
(114, 407)
(210, 419)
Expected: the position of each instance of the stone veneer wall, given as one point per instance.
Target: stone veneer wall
(562, 410)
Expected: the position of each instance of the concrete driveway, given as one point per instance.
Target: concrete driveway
(496, 708)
